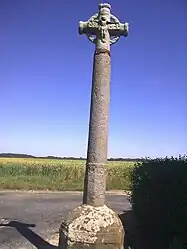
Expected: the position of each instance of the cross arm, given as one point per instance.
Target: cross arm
(118, 29)
(88, 27)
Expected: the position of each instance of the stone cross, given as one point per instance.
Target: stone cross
(103, 29)
(93, 225)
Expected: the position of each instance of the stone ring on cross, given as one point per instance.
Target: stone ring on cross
(101, 24)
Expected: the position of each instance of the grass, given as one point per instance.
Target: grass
(52, 174)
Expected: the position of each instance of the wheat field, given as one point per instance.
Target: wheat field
(53, 174)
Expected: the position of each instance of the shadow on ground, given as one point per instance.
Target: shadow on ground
(135, 238)
(24, 230)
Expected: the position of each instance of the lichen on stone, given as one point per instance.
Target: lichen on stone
(93, 223)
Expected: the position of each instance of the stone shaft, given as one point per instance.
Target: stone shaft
(94, 185)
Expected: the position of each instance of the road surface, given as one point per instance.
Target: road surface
(28, 219)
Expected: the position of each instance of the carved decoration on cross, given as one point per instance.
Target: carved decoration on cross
(101, 23)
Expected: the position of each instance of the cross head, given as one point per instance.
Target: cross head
(103, 25)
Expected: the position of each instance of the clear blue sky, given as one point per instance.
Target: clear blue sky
(46, 69)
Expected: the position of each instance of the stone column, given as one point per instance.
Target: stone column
(93, 225)
(94, 185)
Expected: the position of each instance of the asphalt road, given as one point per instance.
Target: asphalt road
(27, 219)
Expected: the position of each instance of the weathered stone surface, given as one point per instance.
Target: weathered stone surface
(92, 227)
(94, 185)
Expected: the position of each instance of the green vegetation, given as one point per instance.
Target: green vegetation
(159, 200)
(53, 174)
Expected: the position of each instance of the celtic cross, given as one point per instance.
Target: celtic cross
(93, 225)
(103, 29)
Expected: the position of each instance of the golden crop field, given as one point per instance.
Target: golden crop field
(53, 174)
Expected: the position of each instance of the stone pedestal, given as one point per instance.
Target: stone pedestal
(89, 227)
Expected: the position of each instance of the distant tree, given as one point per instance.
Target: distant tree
(15, 155)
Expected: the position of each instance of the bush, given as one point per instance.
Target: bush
(159, 196)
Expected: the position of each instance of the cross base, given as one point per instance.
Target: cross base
(91, 227)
